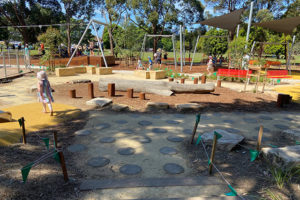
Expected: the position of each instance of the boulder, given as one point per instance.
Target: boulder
(284, 156)
(119, 107)
(157, 106)
(99, 102)
(293, 134)
(188, 107)
(226, 142)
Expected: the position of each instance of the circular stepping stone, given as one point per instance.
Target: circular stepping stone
(217, 114)
(265, 117)
(172, 168)
(143, 139)
(288, 119)
(130, 169)
(179, 116)
(98, 162)
(83, 132)
(107, 140)
(250, 120)
(159, 130)
(102, 126)
(239, 113)
(232, 130)
(188, 131)
(133, 115)
(204, 117)
(126, 151)
(76, 148)
(172, 122)
(127, 131)
(168, 151)
(265, 129)
(281, 126)
(175, 138)
(155, 116)
(144, 123)
(228, 121)
(121, 121)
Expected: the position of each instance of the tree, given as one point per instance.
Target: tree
(155, 16)
(52, 39)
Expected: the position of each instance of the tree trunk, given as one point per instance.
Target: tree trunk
(111, 43)
(69, 36)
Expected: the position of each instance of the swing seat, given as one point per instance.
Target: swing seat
(234, 73)
(278, 74)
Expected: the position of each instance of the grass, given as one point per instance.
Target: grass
(283, 176)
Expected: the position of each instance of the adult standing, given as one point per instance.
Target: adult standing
(158, 57)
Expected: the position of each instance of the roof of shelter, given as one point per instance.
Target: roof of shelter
(228, 21)
(285, 25)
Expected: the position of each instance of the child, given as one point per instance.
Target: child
(210, 67)
(45, 91)
(150, 63)
(140, 65)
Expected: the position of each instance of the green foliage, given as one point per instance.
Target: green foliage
(283, 176)
(237, 51)
(272, 195)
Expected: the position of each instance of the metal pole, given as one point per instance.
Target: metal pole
(5, 74)
(183, 43)
(181, 63)
(87, 27)
(195, 49)
(249, 23)
(17, 58)
(174, 50)
(8, 51)
(99, 45)
(290, 55)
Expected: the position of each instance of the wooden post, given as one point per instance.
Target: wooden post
(194, 132)
(142, 96)
(63, 165)
(195, 80)
(72, 93)
(259, 137)
(171, 79)
(212, 156)
(182, 81)
(23, 130)
(55, 139)
(91, 90)
(130, 93)
(203, 79)
(219, 83)
(111, 89)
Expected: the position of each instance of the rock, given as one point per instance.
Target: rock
(126, 151)
(81, 81)
(119, 107)
(157, 106)
(168, 151)
(99, 102)
(172, 168)
(226, 142)
(188, 107)
(98, 162)
(130, 169)
(284, 156)
(293, 134)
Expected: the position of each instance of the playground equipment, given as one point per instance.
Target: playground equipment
(91, 22)
(166, 36)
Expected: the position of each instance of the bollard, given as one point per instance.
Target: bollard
(212, 156)
(195, 80)
(91, 90)
(259, 137)
(111, 89)
(142, 96)
(182, 81)
(23, 130)
(63, 165)
(130, 93)
(218, 83)
(171, 79)
(55, 139)
(72, 93)
(203, 79)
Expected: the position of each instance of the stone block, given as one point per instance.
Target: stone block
(142, 74)
(91, 69)
(292, 134)
(157, 106)
(119, 107)
(80, 70)
(103, 70)
(159, 74)
(99, 102)
(70, 71)
(188, 107)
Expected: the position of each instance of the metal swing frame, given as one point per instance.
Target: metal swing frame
(91, 22)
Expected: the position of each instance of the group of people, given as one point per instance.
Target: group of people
(157, 59)
(212, 63)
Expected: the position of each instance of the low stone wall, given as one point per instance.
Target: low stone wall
(142, 74)
(70, 71)
(159, 74)
(103, 70)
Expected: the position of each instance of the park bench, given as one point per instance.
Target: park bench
(278, 74)
(234, 73)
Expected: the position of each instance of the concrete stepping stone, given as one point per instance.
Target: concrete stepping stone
(126, 151)
(98, 162)
(250, 120)
(281, 126)
(188, 107)
(76, 148)
(288, 119)
(172, 122)
(130, 169)
(83, 132)
(144, 123)
(127, 131)
(232, 130)
(168, 151)
(175, 138)
(172, 168)
(134, 115)
(265, 117)
(121, 121)
(119, 107)
(143, 139)
(157, 106)
(284, 156)
(266, 130)
(159, 130)
(293, 134)
(102, 126)
(239, 113)
(188, 131)
(181, 116)
(107, 140)
(226, 142)
(99, 102)
(205, 117)
(228, 121)
(155, 116)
